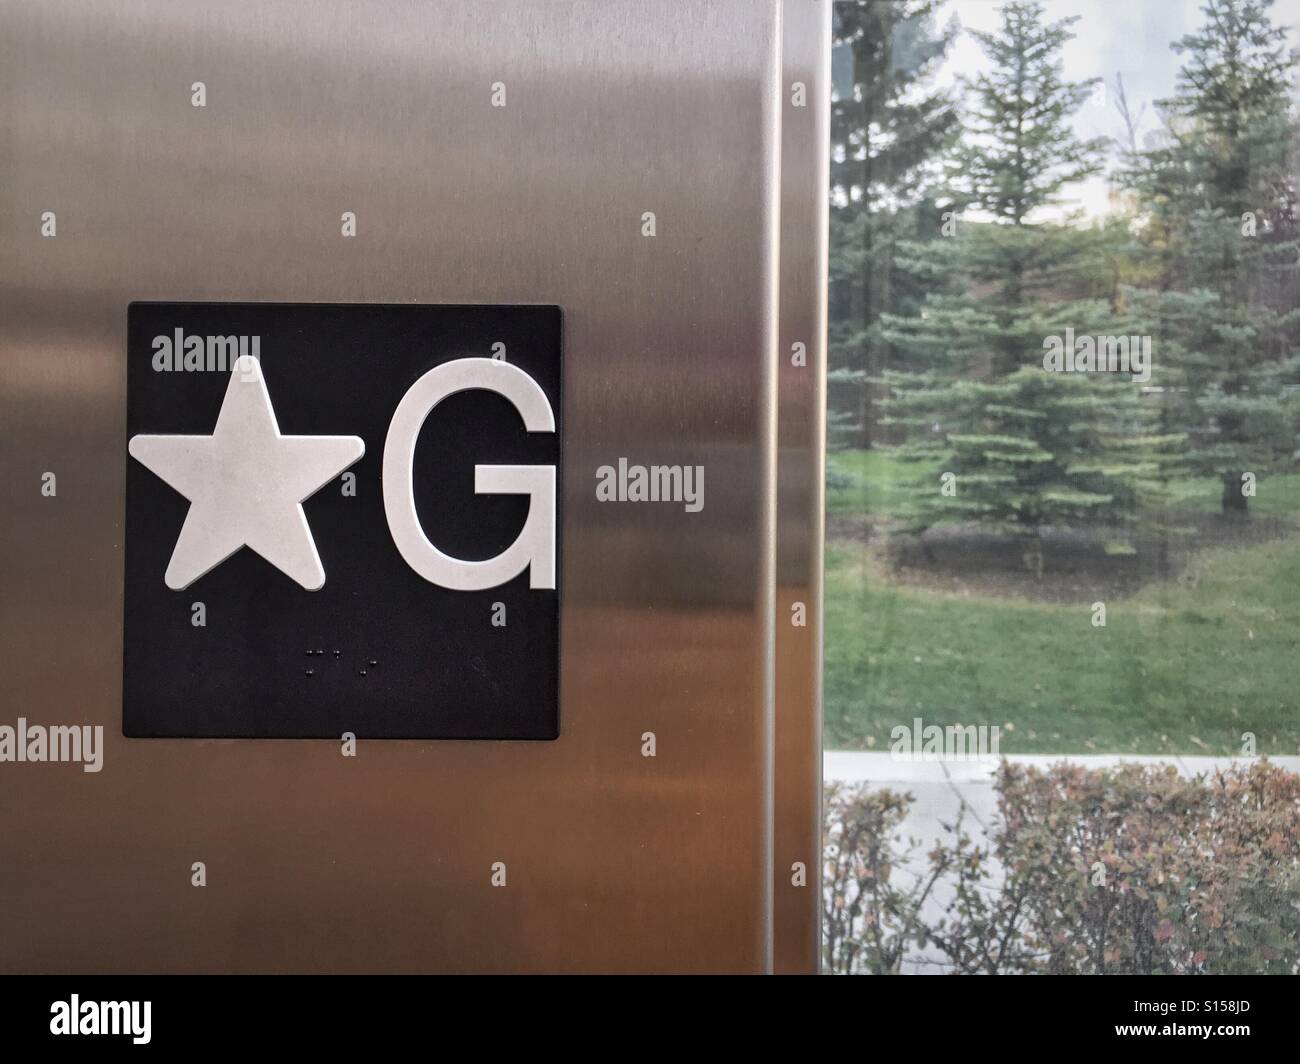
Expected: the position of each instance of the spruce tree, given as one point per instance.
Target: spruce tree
(1028, 448)
(887, 131)
(1219, 199)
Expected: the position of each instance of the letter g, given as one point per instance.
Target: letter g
(534, 548)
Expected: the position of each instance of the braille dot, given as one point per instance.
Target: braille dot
(373, 662)
(337, 653)
(310, 672)
(363, 672)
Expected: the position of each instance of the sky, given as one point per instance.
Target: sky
(1128, 37)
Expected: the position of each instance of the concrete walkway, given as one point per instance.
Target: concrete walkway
(883, 767)
(941, 786)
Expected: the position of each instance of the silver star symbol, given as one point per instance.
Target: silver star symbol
(246, 484)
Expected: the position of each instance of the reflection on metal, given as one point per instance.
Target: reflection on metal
(805, 177)
(384, 112)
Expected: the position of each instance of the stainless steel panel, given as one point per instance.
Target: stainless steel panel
(314, 862)
(805, 162)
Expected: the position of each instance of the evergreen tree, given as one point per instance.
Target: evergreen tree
(1028, 448)
(886, 133)
(1219, 197)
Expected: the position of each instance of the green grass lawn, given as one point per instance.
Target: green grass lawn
(866, 482)
(1276, 495)
(1181, 667)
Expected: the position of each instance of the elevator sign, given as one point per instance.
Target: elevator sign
(342, 518)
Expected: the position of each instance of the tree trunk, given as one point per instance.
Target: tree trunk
(1234, 502)
(866, 410)
(865, 425)
(867, 398)
(1033, 555)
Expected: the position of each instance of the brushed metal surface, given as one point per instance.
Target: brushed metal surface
(382, 863)
(801, 474)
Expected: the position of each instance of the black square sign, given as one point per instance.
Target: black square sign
(342, 518)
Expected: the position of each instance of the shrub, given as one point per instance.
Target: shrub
(869, 919)
(1126, 870)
